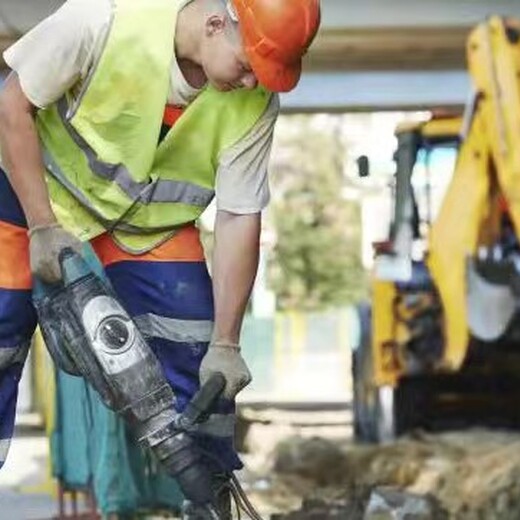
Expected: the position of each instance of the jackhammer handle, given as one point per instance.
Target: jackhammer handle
(204, 399)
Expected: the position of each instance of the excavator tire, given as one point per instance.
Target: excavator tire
(364, 396)
(381, 414)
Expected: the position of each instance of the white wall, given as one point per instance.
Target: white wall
(410, 90)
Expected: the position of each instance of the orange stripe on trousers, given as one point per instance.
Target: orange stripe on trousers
(15, 272)
(184, 246)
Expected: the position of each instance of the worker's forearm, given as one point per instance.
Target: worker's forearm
(235, 262)
(21, 155)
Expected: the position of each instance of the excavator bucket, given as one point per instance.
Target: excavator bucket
(491, 305)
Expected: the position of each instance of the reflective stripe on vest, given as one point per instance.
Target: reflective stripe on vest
(145, 192)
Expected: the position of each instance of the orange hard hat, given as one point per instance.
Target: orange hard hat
(276, 34)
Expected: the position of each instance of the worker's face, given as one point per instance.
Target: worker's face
(223, 57)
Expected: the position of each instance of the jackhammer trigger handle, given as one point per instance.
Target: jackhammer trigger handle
(204, 399)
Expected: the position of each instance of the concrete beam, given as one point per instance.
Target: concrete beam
(412, 13)
(356, 35)
(18, 16)
(386, 53)
(404, 48)
(376, 91)
(400, 48)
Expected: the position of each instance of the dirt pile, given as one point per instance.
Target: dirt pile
(471, 475)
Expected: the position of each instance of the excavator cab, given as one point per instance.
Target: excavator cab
(424, 158)
(400, 328)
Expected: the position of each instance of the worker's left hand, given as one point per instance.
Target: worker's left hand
(46, 242)
(226, 359)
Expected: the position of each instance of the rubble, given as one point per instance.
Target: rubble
(471, 475)
(331, 510)
(393, 504)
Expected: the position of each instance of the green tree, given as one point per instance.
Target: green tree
(316, 260)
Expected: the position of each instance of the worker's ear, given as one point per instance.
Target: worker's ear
(215, 24)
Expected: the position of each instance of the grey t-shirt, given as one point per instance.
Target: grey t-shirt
(57, 55)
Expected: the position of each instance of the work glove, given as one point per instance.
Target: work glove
(45, 246)
(226, 359)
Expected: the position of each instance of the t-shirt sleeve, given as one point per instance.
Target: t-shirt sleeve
(242, 184)
(55, 54)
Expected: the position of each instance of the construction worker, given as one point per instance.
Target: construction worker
(120, 122)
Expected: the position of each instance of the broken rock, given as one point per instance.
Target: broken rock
(387, 503)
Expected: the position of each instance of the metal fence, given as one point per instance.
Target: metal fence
(302, 357)
(294, 357)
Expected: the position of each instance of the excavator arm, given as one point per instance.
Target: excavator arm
(487, 170)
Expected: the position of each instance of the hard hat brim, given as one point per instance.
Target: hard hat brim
(274, 76)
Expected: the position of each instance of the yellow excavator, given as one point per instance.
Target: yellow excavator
(440, 340)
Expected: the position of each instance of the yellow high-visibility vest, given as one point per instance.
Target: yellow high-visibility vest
(105, 169)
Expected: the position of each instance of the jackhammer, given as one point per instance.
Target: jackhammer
(88, 333)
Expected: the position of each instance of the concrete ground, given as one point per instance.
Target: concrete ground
(25, 486)
(24, 482)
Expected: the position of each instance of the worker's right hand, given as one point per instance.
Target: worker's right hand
(225, 358)
(45, 245)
